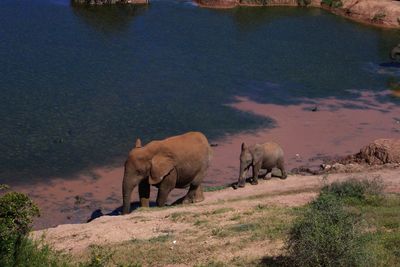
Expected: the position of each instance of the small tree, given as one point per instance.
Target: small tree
(16, 215)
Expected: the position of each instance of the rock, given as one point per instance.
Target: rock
(381, 151)
(384, 13)
(109, 2)
(326, 167)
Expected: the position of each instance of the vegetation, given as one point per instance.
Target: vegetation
(354, 190)
(335, 229)
(303, 2)
(350, 223)
(333, 3)
(378, 17)
(215, 188)
(16, 214)
(326, 235)
(255, 2)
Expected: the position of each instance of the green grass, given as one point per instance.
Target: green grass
(215, 188)
(180, 215)
(227, 230)
(160, 238)
(221, 210)
(36, 254)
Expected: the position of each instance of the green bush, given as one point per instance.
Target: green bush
(16, 214)
(356, 189)
(35, 254)
(326, 235)
(333, 3)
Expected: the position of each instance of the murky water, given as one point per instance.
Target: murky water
(78, 85)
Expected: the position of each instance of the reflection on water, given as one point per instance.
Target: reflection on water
(81, 83)
(248, 18)
(108, 18)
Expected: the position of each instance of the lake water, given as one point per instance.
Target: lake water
(78, 85)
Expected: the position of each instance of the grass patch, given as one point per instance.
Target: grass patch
(215, 188)
(199, 222)
(179, 215)
(219, 232)
(243, 227)
(235, 217)
(160, 239)
(221, 210)
(354, 189)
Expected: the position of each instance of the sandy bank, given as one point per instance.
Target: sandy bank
(153, 222)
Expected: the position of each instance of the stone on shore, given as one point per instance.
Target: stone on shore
(109, 2)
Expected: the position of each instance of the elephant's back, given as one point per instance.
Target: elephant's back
(273, 149)
(191, 146)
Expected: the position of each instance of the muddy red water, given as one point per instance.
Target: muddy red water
(306, 132)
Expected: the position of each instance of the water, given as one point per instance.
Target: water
(78, 85)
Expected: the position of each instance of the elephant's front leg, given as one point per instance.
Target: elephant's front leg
(166, 186)
(256, 170)
(144, 193)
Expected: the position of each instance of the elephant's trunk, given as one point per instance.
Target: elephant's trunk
(242, 173)
(128, 184)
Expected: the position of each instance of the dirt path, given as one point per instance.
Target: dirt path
(151, 223)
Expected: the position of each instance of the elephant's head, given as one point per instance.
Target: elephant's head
(249, 156)
(148, 163)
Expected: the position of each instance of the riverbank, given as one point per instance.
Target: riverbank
(236, 227)
(308, 133)
(381, 13)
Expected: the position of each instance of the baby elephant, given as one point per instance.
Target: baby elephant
(260, 156)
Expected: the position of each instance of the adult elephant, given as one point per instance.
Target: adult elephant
(176, 162)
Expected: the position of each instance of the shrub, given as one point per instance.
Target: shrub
(35, 254)
(16, 214)
(333, 3)
(356, 189)
(326, 235)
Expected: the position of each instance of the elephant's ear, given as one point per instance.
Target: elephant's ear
(257, 153)
(161, 166)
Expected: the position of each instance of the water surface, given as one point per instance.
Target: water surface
(78, 85)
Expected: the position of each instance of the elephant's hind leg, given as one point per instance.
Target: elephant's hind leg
(195, 194)
(266, 174)
(281, 165)
(198, 195)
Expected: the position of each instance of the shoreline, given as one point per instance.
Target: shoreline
(368, 12)
(147, 224)
(337, 128)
